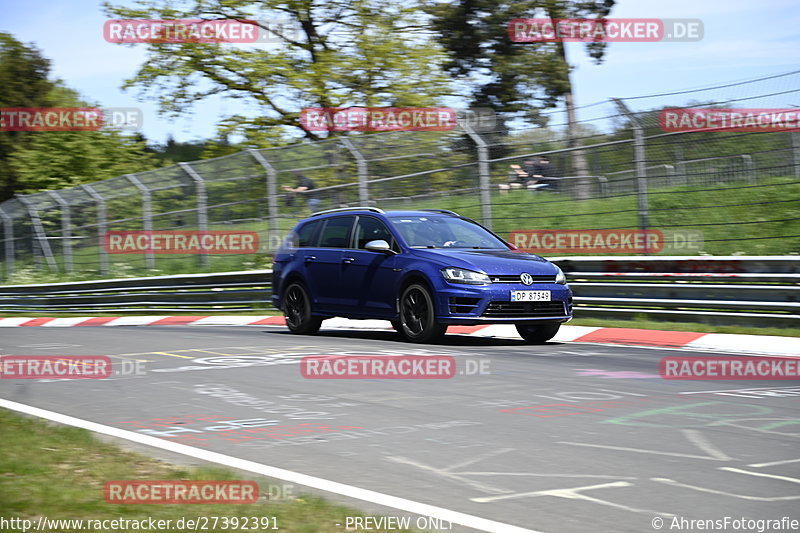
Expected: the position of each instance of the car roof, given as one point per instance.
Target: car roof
(392, 213)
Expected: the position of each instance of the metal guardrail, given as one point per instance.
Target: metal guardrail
(740, 290)
(208, 293)
(731, 290)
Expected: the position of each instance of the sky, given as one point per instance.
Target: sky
(742, 40)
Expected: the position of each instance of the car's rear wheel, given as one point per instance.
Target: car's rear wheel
(539, 333)
(417, 321)
(297, 310)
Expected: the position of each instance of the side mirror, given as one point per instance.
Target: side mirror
(379, 246)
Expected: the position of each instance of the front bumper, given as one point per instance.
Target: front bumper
(482, 304)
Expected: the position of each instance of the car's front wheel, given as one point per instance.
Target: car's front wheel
(297, 310)
(417, 322)
(539, 333)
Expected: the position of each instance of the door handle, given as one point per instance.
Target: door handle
(348, 260)
(310, 258)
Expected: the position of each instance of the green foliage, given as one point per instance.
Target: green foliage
(345, 53)
(475, 35)
(34, 161)
(23, 83)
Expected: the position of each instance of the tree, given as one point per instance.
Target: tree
(23, 83)
(59, 159)
(343, 53)
(517, 79)
(41, 160)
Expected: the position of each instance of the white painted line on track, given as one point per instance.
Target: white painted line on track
(423, 509)
(66, 322)
(134, 320)
(750, 344)
(740, 389)
(14, 322)
(225, 320)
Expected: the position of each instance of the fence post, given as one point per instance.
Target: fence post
(101, 226)
(41, 235)
(8, 237)
(361, 163)
(147, 216)
(202, 203)
(272, 188)
(66, 231)
(680, 165)
(483, 174)
(640, 163)
(669, 171)
(749, 168)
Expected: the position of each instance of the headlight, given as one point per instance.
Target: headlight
(468, 277)
(561, 279)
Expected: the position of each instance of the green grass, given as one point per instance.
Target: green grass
(748, 215)
(683, 208)
(59, 472)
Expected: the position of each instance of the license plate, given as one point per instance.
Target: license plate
(530, 296)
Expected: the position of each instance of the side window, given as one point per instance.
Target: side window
(336, 232)
(371, 229)
(306, 234)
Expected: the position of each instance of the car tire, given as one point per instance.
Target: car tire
(417, 321)
(538, 334)
(297, 311)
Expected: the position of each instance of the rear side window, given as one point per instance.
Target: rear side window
(306, 234)
(371, 229)
(336, 232)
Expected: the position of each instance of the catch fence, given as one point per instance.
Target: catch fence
(703, 192)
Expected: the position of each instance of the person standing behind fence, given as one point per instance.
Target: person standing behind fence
(517, 178)
(545, 176)
(304, 186)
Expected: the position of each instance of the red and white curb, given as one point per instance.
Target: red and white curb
(722, 342)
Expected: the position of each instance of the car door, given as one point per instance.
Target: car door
(369, 280)
(323, 263)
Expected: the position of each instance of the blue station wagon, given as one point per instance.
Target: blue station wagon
(422, 270)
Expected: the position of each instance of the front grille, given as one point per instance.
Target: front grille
(524, 309)
(460, 304)
(514, 278)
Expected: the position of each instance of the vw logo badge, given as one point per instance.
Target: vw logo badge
(526, 278)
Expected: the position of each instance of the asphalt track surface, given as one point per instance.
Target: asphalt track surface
(554, 438)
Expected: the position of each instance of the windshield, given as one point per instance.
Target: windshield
(445, 232)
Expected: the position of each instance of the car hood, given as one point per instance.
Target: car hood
(497, 262)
